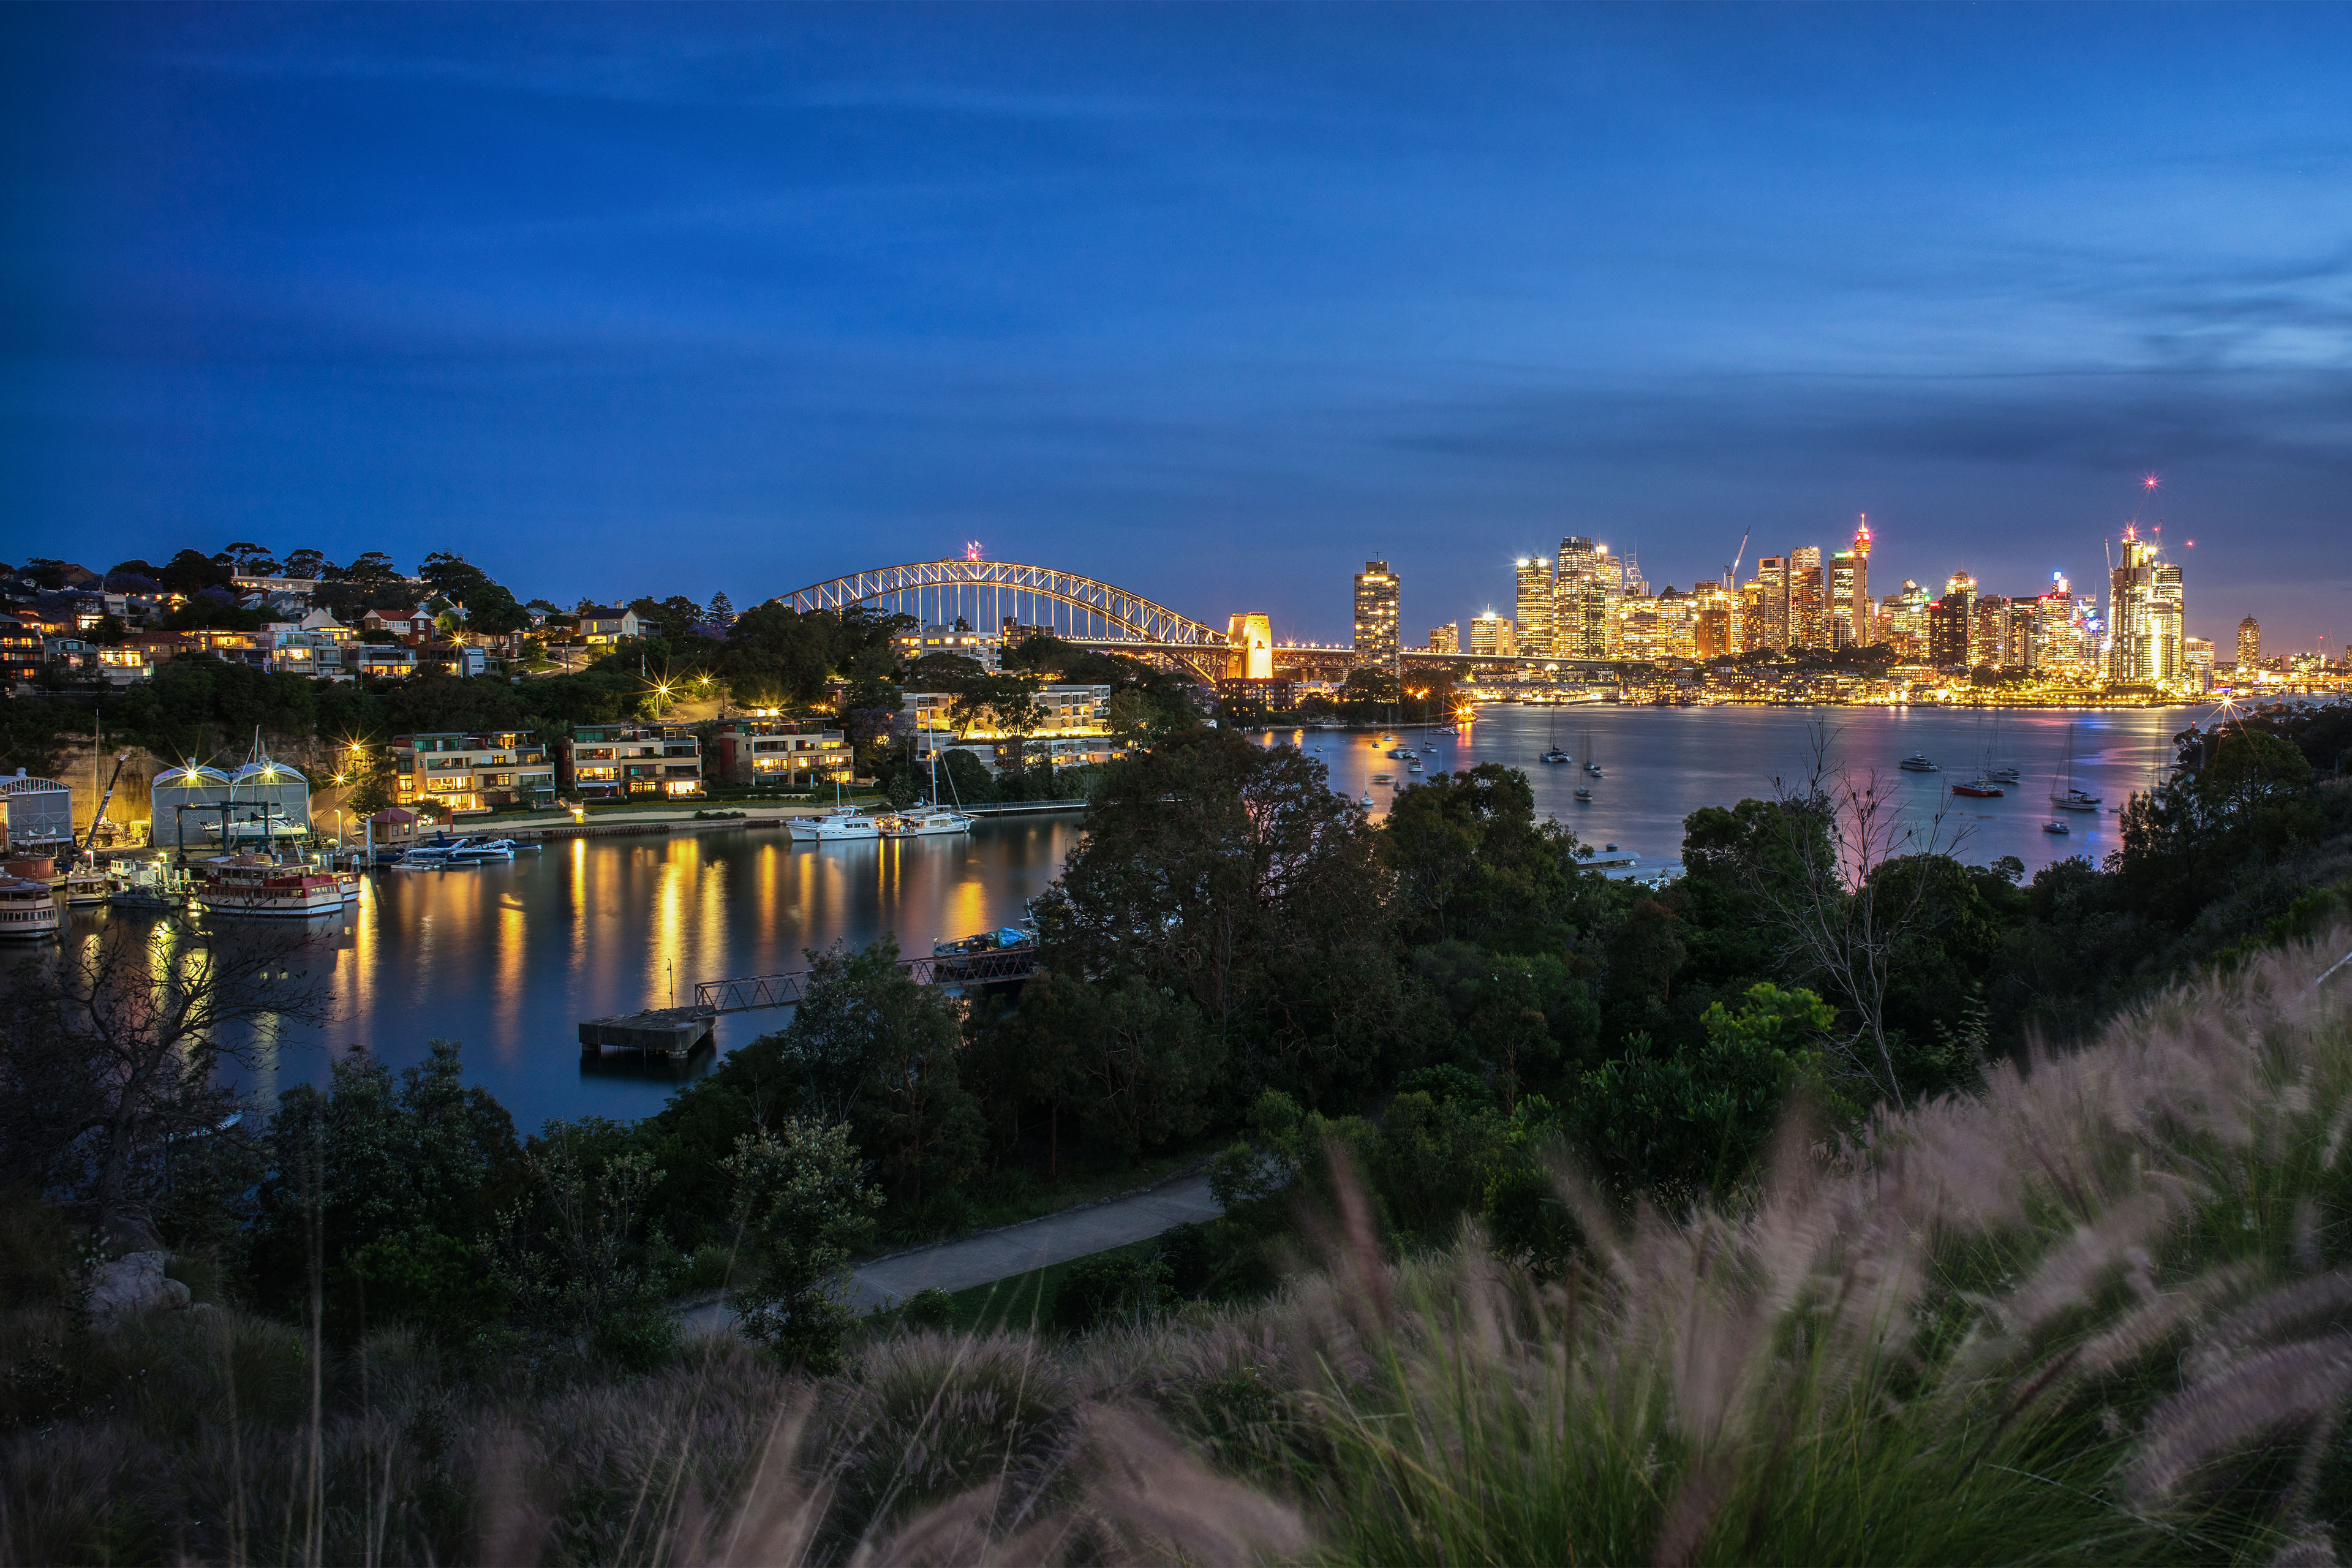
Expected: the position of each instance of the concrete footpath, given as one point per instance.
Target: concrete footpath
(1016, 1249)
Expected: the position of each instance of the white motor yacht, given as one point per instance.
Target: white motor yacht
(842, 824)
(923, 821)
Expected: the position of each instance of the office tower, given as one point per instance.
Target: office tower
(1376, 616)
(1629, 568)
(1842, 618)
(1534, 607)
(1714, 621)
(1988, 632)
(1579, 623)
(1907, 621)
(1773, 602)
(2057, 638)
(1857, 599)
(2250, 643)
(1948, 621)
(1752, 633)
(2017, 635)
(1492, 635)
(1807, 624)
(1446, 638)
(2145, 607)
(1250, 639)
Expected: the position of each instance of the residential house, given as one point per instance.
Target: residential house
(20, 651)
(463, 771)
(453, 659)
(603, 625)
(780, 753)
(394, 659)
(416, 622)
(606, 761)
(961, 639)
(125, 665)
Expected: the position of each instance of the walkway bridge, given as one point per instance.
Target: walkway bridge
(678, 1031)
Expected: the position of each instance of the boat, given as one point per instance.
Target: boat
(28, 911)
(1002, 940)
(431, 856)
(1917, 762)
(1413, 766)
(145, 885)
(253, 887)
(1430, 750)
(1402, 751)
(479, 851)
(923, 822)
(2008, 775)
(1583, 793)
(86, 886)
(2054, 825)
(1557, 755)
(1591, 758)
(1366, 803)
(2064, 794)
(1384, 778)
(834, 827)
(1981, 788)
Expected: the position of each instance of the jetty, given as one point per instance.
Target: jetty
(676, 1032)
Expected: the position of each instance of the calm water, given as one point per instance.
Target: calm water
(508, 958)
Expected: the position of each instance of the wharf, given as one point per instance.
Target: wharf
(669, 1031)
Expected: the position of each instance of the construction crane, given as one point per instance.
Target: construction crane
(104, 801)
(1731, 573)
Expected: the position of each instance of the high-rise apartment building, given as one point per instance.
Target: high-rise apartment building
(1376, 616)
(2250, 643)
(1493, 635)
(1534, 607)
(2197, 662)
(1842, 618)
(1988, 631)
(1906, 620)
(1579, 617)
(2145, 607)
(1446, 638)
(1807, 617)
(1714, 621)
(1948, 623)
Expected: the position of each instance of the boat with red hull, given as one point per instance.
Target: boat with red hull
(253, 887)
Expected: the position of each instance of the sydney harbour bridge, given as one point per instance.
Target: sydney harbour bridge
(987, 594)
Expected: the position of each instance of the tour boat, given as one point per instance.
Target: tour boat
(1917, 762)
(28, 910)
(1981, 788)
(923, 822)
(251, 887)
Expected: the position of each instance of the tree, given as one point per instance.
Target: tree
(1004, 705)
(192, 571)
(492, 611)
(577, 1259)
(721, 613)
(307, 563)
(1471, 861)
(801, 1208)
(453, 577)
(1232, 875)
(116, 1040)
(1132, 1060)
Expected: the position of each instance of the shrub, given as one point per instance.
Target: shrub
(929, 1307)
(1106, 1288)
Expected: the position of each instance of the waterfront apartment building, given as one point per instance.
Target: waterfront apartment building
(462, 772)
(2197, 662)
(608, 762)
(1376, 616)
(2145, 607)
(985, 647)
(781, 753)
(1534, 608)
(2250, 644)
(1072, 726)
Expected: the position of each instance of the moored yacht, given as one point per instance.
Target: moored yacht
(1918, 763)
(253, 887)
(834, 827)
(922, 822)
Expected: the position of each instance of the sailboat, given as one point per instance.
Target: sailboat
(1591, 758)
(1984, 785)
(2007, 771)
(1556, 754)
(2064, 795)
(843, 822)
(928, 819)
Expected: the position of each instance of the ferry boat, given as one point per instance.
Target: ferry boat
(922, 822)
(28, 911)
(1917, 762)
(252, 886)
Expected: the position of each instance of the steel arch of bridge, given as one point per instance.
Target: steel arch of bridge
(1089, 610)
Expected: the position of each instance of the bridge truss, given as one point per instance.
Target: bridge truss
(986, 594)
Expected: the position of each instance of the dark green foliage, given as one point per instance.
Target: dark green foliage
(1107, 1287)
(1472, 864)
(928, 1308)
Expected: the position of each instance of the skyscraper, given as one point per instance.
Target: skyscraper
(1491, 634)
(1580, 621)
(1841, 599)
(1807, 622)
(1534, 608)
(2146, 605)
(1446, 638)
(1376, 616)
(1771, 618)
(1857, 598)
(2250, 643)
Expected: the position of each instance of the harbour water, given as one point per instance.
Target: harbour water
(510, 958)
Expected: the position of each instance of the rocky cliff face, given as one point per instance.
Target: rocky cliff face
(86, 773)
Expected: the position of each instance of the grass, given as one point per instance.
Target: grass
(2101, 1311)
(1025, 1301)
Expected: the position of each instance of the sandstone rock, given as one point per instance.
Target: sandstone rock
(134, 1283)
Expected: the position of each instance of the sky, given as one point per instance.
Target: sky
(1211, 303)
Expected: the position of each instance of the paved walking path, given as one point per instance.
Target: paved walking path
(1016, 1249)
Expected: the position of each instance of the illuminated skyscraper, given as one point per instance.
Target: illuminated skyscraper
(1491, 634)
(1772, 619)
(1580, 621)
(1842, 615)
(1376, 616)
(1534, 608)
(2146, 605)
(1446, 638)
(1808, 626)
(1856, 598)
(2250, 643)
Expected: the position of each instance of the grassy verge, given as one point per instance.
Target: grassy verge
(1023, 1303)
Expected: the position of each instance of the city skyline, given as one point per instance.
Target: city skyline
(1202, 300)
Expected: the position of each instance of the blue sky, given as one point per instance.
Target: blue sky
(1210, 301)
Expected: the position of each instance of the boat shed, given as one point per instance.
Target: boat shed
(40, 813)
(273, 790)
(192, 786)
